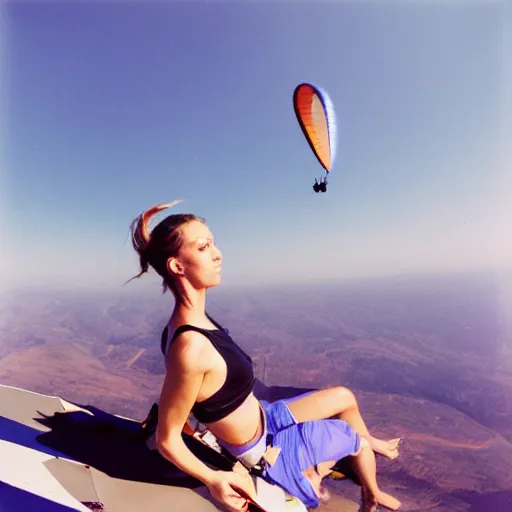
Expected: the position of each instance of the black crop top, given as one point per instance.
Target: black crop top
(239, 379)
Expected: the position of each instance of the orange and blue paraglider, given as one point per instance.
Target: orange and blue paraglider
(315, 113)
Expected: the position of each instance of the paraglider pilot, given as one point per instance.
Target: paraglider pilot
(320, 186)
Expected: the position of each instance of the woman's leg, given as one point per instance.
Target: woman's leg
(339, 402)
(321, 443)
(365, 467)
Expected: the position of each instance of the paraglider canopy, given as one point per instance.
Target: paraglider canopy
(315, 113)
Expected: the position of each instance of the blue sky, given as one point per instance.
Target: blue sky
(111, 107)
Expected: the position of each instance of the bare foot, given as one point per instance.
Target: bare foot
(387, 448)
(370, 503)
(387, 501)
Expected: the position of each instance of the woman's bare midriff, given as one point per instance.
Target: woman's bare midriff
(242, 426)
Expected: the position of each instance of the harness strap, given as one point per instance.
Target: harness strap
(252, 460)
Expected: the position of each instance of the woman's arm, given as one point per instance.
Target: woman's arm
(185, 370)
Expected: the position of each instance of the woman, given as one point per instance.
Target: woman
(209, 375)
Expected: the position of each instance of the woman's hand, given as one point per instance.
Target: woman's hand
(229, 488)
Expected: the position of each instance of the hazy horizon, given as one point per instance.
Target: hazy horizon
(149, 288)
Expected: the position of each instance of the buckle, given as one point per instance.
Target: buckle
(259, 468)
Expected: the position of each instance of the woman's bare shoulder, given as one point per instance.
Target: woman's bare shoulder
(189, 350)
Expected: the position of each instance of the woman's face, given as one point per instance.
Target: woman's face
(199, 260)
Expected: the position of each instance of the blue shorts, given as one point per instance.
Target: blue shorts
(305, 445)
(302, 445)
